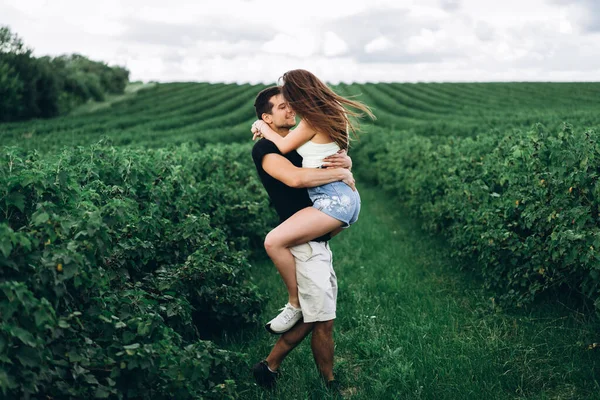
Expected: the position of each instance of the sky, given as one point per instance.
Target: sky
(256, 41)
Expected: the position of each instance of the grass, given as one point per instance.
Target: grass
(410, 326)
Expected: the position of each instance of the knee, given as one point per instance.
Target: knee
(271, 242)
(287, 340)
(323, 328)
(295, 335)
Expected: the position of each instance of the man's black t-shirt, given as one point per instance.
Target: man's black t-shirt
(286, 200)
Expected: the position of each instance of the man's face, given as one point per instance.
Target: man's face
(281, 115)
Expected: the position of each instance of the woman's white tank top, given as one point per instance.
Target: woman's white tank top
(314, 153)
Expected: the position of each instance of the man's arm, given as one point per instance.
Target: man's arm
(284, 171)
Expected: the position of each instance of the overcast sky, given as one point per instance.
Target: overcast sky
(351, 41)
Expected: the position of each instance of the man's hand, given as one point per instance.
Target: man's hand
(349, 179)
(338, 160)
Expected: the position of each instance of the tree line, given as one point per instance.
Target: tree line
(46, 87)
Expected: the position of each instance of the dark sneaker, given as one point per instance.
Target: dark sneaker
(263, 376)
(333, 388)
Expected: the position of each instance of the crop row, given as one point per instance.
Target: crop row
(518, 207)
(198, 111)
(117, 264)
(188, 108)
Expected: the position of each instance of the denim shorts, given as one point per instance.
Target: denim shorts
(337, 200)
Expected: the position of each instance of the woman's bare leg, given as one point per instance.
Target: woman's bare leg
(307, 224)
(338, 230)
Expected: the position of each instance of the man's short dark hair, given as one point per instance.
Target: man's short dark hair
(262, 104)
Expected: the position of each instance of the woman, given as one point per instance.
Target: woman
(323, 131)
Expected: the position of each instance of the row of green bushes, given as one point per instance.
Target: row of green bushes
(520, 208)
(117, 265)
(45, 87)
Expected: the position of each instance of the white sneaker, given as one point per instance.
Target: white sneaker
(285, 320)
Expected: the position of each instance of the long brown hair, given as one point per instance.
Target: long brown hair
(321, 108)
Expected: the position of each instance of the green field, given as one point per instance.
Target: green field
(220, 113)
(131, 233)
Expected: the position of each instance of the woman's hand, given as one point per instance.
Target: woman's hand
(338, 160)
(256, 129)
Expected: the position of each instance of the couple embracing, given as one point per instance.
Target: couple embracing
(306, 173)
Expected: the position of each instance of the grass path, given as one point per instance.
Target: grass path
(410, 326)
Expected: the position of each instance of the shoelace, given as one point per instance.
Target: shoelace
(288, 315)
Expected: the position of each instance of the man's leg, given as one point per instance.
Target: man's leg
(301, 227)
(287, 342)
(322, 348)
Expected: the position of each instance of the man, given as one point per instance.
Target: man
(285, 181)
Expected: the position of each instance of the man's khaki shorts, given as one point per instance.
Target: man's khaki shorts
(317, 283)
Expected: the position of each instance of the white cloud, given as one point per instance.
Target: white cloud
(565, 26)
(450, 5)
(379, 44)
(333, 45)
(378, 40)
(425, 41)
(484, 31)
(585, 14)
(301, 45)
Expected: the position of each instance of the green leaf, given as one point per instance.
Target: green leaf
(16, 199)
(517, 153)
(132, 346)
(74, 356)
(103, 318)
(24, 242)
(91, 379)
(63, 324)
(28, 357)
(23, 336)
(42, 316)
(143, 329)
(41, 218)
(5, 245)
(7, 381)
(101, 392)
